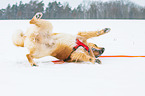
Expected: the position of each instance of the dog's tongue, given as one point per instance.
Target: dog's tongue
(58, 62)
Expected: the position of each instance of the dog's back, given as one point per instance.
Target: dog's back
(64, 44)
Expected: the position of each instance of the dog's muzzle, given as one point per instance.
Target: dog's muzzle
(101, 51)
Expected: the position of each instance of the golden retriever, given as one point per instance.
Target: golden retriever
(41, 42)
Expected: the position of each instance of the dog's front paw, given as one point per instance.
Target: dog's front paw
(34, 65)
(106, 30)
(92, 60)
(98, 61)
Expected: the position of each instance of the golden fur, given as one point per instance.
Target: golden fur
(41, 42)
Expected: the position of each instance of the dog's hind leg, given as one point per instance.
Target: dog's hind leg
(30, 59)
(86, 35)
(35, 19)
(43, 24)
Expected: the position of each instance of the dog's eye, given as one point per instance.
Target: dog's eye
(95, 45)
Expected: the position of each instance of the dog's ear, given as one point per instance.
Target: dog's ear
(92, 45)
(95, 45)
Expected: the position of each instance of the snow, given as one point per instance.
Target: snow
(114, 77)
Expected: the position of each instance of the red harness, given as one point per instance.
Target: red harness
(78, 44)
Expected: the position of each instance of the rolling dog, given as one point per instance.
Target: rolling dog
(40, 41)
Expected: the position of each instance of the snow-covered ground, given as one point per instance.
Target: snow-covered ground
(114, 77)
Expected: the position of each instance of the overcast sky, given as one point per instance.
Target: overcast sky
(72, 3)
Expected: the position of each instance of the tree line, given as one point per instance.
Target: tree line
(118, 9)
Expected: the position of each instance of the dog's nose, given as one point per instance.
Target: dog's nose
(102, 50)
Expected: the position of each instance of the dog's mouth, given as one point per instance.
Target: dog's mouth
(98, 52)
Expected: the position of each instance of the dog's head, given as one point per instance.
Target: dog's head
(98, 51)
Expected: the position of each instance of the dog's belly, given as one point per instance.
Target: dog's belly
(38, 42)
(38, 50)
(60, 47)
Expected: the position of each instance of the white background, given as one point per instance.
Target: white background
(114, 77)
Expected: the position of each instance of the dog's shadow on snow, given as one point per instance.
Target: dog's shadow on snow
(48, 63)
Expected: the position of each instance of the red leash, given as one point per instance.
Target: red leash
(120, 56)
(58, 62)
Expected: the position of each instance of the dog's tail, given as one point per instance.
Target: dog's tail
(18, 38)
